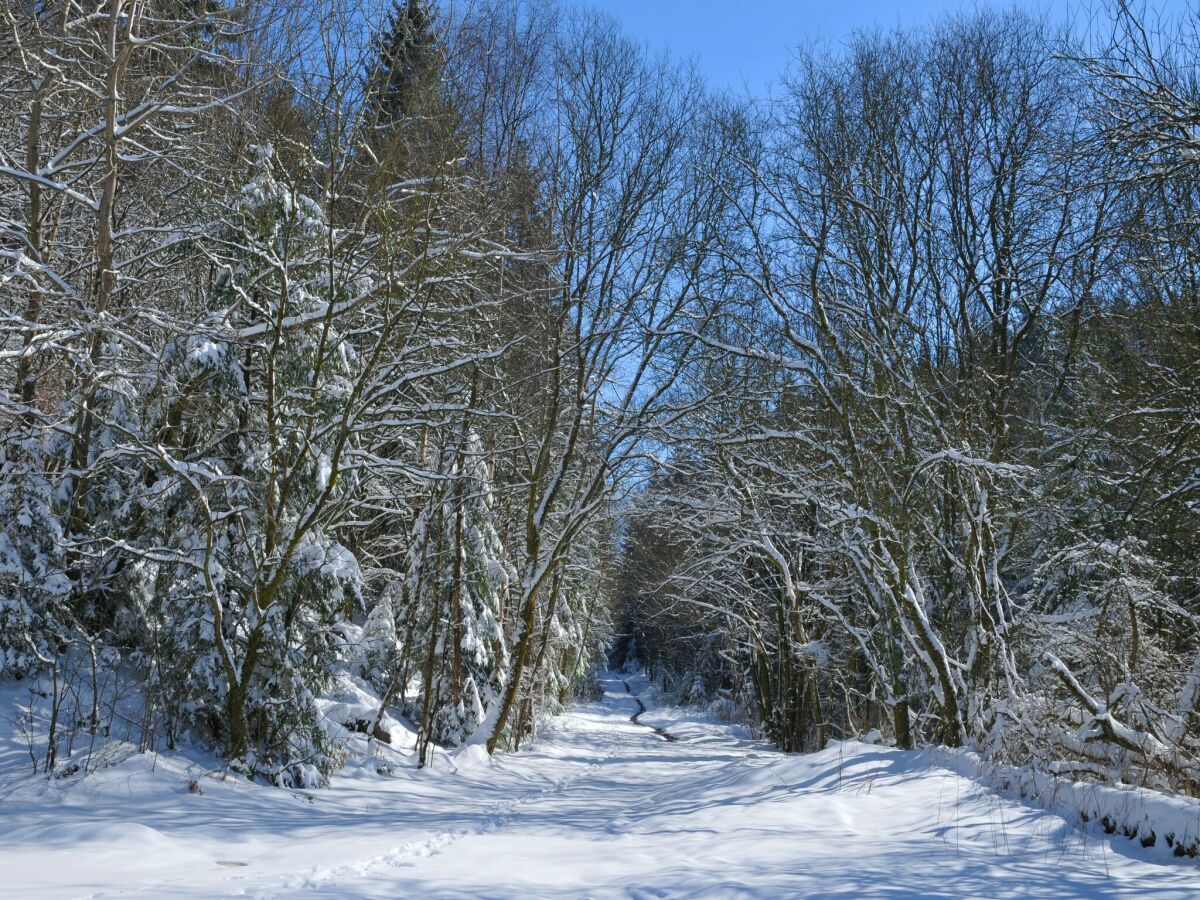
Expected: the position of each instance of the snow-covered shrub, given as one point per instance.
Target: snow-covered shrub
(34, 588)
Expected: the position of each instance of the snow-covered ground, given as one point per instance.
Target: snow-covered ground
(601, 807)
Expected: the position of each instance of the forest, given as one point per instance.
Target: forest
(455, 352)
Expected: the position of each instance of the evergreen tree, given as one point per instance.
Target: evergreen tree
(458, 577)
(239, 583)
(34, 588)
(407, 58)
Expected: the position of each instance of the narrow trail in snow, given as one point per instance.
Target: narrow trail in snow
(661, 732)
(493, 817)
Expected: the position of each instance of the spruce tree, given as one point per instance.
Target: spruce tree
(238, 582)
(407, 56)
(457, 579)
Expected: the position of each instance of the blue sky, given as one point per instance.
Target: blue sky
(748, 42)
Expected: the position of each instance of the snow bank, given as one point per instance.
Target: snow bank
(1170, 824)
(350, 706)
(474, 759)
(1162, 823)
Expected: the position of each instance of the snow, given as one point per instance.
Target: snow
(1169, 823)
(599, 807)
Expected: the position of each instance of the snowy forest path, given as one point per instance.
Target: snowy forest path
(601, 806)
(624, 811)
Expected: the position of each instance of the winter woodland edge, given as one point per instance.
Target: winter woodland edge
(431, 351)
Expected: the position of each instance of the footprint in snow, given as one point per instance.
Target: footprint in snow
(399, 856)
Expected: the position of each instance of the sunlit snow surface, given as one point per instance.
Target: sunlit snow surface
(601, 807)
